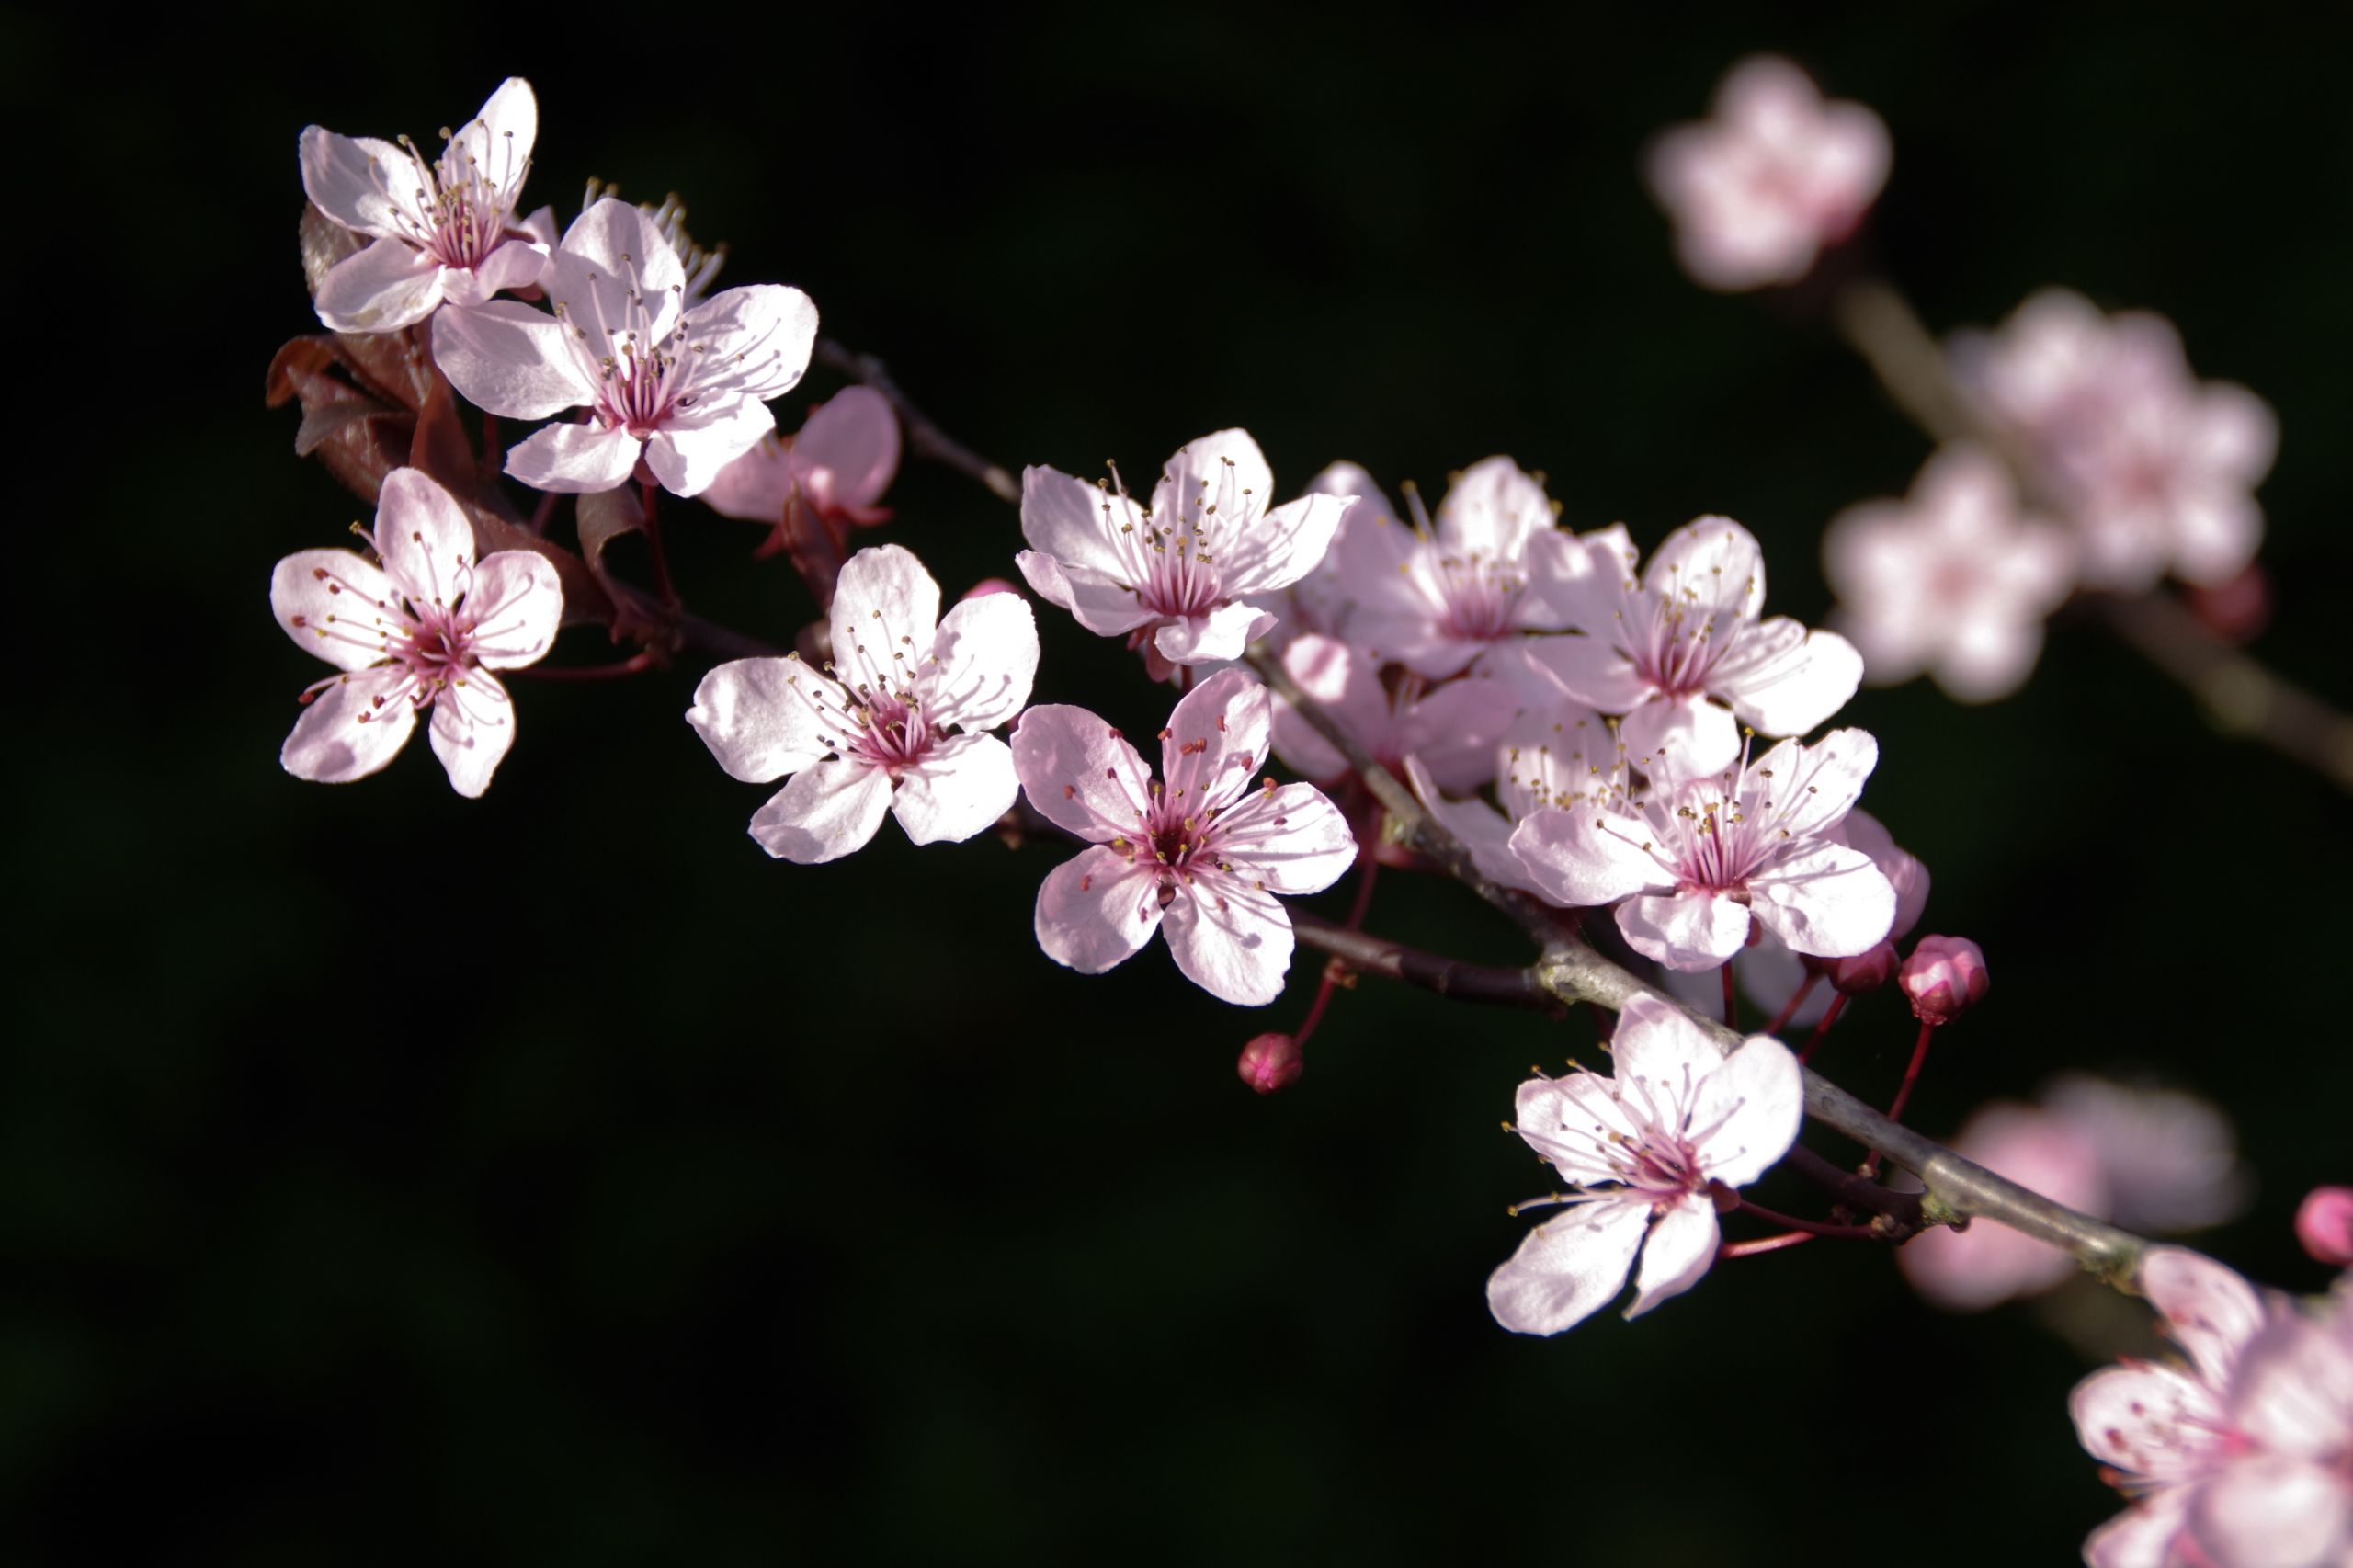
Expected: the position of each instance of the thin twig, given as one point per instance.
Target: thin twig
(927, 439)
(1491, 984)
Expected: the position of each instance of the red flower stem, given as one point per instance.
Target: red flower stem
(492, 458)
(1732, 1007)
(1829, 1016)
(540, 513)
(1809, 1227)
(1903, 1091)
(1762, 1244)
(1367, 870)
(1790, 1008)
(649, 493)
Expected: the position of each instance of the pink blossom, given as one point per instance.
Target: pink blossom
(1695, 859)
(2155, 468)
(1967, 1272)
(1645, 1151)
(1944, 977)
(2168, 1159)
(685, 389)
(423, 630)
(1435, 598)
(2324, 1224)
(444, 231)
(1198, 854)
(1956, 579)
(1452, 728)
(839, 465)
(1175, 578)
(1555, 755)
(1683, 655)
(2245, 1457)
(873, 731)
(1318, 603)
(1775, 177)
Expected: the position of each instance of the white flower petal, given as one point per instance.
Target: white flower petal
(1569, 1268)
(828, 811)
(963, 784)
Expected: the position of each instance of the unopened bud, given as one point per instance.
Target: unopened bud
(2324, 1224)
(1945, 977)
(2235, 612)
(1271, 1061)
(990, 585)
(1864, 971)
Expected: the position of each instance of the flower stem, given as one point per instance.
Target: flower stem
(1829, 1016)
(1790, 1008)
(1732, 1007)
(649, 495)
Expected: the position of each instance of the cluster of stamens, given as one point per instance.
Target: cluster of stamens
(1174, 562)
(460, 211)
(437, 644)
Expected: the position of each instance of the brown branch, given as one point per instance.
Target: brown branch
(928, 439)
(1491, 984)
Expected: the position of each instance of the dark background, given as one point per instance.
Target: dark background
(555, 1178)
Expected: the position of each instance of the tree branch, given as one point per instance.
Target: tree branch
(1491, 984)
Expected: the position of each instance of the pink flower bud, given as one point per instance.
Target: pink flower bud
(1271, 1061)
(2235, 612)
(1945, 977)
(990, 585)
(2324, 1224)
(1864, 971)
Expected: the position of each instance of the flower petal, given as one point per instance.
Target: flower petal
(425, 541)
(1591, 670)
(361, 183)
(1225, 470)
(510, 359)
(853, 437)
(515, 265)
(1096, 909)
(351, 729)
(1569, 1268)
(1680, 1247)
(765, 718)
(1747, 1112)
(963, 784)
(497, 142)
(1681, 737)
(1284, 546)
(1080, 773)
(1692, 929)
(1797, 689)
(2211, 1311)
(1581, 856)
(2151, 1421)
(1217, 739)
(2274, 1511)
(2143, 1536)
(1656, 1042)
(1491, 510)
(1077, 524)
(754, 342)
(616, 273)
(574, 459)
(1292, 839)
(885, 616)
(686, 454)
(1101, 602)
(1713, 566)
(517, 603)
(336, 605)
(982, 662)
(1223, 633)
(473, 725)
(389, 284)
(1828, 900)
(828, 810)
(1231, 940)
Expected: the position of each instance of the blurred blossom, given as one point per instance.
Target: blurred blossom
(1778, 175)
(2156, 469)
(2324, 1224)
(1967, 1272)
(1955, 579)
(839, 464)
(2170, 1158)
(1643, 1150)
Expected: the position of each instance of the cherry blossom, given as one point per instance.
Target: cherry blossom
(1318, 603)
(1683, 655)
(2245, 1457)
(422, 630)
(1437, 597)
(1967, 1272)
(1645, 1151)
(872, 732)
(684, 389)
(1775, 177)
(1198, 854)
(443, 231)
(1556, 753)
(2156, 469)
(1956, 579)
(1174, 579)
(838, 465)
(1695, 859)
(1452, 729)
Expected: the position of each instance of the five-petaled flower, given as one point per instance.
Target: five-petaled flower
(423, 630)
(1696, 859)
(443, 231)
(1173, 578)
(1647, 1150)
(1680, 651)
(685, 388)
(1778, 175)
(1198, 852)
(878, 738)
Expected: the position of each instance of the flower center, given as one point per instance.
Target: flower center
(461, 208)
(1477, 597)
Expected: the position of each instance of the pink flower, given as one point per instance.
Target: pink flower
(1555, 755)
(687, 389)
(1198, 854)
(1955, 580)
(2155, 468)
(1452, 728)
(1645, 1152)
(839, 465)
(1435, 599)
(1694, 860)
(2168, 1159)
(1759, 190)
(1318, 603)
(444, 231)
(2243, 1460)
(1174, 577)
(1944, 977)
(421, 631)
(877, 737)
(1967, 1272)
(1682, 654)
